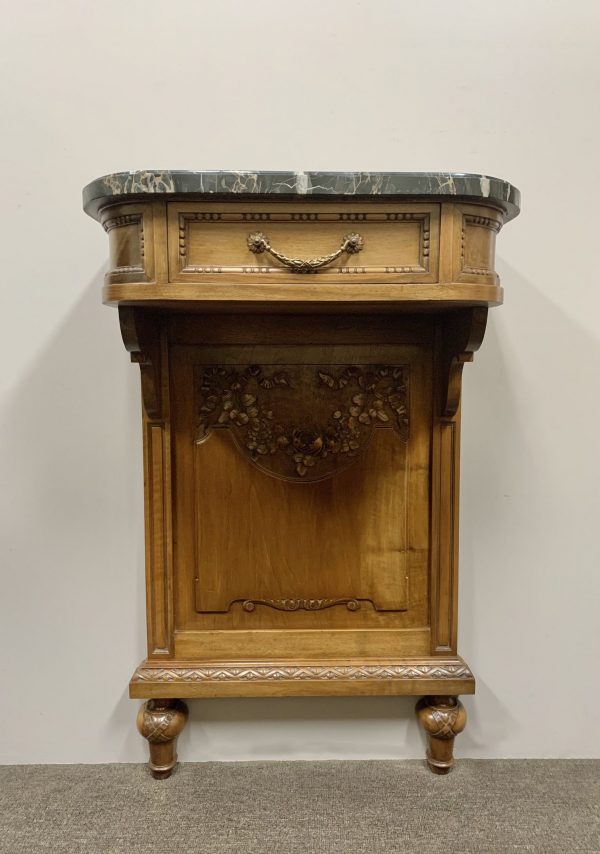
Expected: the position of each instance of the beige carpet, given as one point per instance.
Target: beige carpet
(290, 807)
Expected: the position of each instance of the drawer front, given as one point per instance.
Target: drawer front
(398, 243)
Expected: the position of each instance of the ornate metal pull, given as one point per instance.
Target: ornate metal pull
(259, 242)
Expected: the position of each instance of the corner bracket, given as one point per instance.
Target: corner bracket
(140, 331)
(462, 335)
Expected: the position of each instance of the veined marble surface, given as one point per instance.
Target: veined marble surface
(117, 186)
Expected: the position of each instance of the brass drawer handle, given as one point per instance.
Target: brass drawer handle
(259, 242)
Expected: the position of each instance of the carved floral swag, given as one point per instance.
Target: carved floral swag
(231, 398)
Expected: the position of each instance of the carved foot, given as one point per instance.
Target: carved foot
(442, 718)
(160, 722)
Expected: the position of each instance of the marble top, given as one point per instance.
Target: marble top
(125, 186)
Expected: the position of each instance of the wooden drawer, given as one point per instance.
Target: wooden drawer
(399, 242)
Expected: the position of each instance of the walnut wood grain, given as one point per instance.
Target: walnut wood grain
(160, 721)
(442, 718)
(312, 677)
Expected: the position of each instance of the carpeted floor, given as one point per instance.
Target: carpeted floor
(291, 807)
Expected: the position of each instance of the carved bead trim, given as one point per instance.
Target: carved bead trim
(119, 221)
(413, 269)
(300, 604)
(199, 268)
(484, 221)
(183, 223)
(303, 673)
(129, 268)
(477, 271)
(283, 216)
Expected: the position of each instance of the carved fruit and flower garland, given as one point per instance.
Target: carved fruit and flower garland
(379, 399)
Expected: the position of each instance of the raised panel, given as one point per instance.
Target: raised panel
(131, 244)
(477, 230)
(308, 547)
(398, 242)
(159, 627)
(444, 563)
(262, 550)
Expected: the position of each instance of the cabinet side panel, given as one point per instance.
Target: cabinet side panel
(158, 522)
(444, 552)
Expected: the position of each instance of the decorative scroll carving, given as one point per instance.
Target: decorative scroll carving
(303, 422)
(300, 604)
(461, 339)
(241, 673)
(141, 336)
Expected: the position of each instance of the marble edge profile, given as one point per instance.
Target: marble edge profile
(435, 184)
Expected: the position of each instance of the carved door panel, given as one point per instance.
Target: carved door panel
(302, 483)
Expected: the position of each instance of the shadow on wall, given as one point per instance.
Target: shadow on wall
(302, 728)
(74, 579)
(73, 571)
(528, 497)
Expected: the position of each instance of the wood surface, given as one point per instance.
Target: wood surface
(399, 240)
(196, 253)
(311, 677)
(160, 721)
(302, 446)
(328, 541)
(442, 718)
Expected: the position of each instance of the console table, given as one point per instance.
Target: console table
(301, 338)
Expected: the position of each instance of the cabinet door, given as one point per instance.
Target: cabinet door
(302, 486)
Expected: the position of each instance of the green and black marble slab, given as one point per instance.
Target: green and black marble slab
(129, 186)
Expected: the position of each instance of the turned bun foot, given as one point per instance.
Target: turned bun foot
(160, 722)
(442, 718)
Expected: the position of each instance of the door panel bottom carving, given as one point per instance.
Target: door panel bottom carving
(300, 604)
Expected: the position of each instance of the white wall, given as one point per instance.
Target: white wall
(92, 87)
